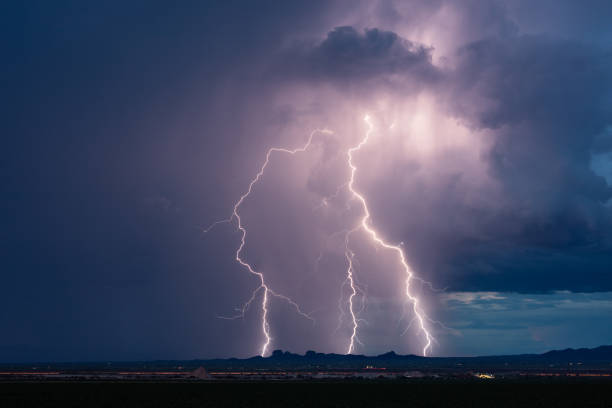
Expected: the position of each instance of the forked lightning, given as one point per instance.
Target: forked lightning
(364, 224)
(263, 286)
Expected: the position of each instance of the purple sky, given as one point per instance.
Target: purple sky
(130, 128)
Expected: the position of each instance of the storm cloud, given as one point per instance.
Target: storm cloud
(350, 56)
(540, 107)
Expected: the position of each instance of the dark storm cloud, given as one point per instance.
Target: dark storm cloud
(546, 102)
(348, 55)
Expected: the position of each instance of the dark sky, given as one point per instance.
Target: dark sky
(128, 127)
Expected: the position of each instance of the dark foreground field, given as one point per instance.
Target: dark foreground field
(566, 393)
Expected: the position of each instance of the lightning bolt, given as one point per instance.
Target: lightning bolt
(365, 225)
(263, 286)
(351, 281)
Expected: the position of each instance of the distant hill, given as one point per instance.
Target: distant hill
(601, 353)
(600, 358)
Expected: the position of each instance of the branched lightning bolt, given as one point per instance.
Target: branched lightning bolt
(351, 281)
(263, 286)
(364, 224)
(355, 290)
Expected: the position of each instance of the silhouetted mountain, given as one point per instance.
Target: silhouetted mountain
(601, 353)
(600, 358)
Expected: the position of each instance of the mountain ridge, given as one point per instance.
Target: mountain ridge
(581, 357)
(603, 351)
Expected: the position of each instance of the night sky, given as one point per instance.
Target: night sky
(130, 127)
